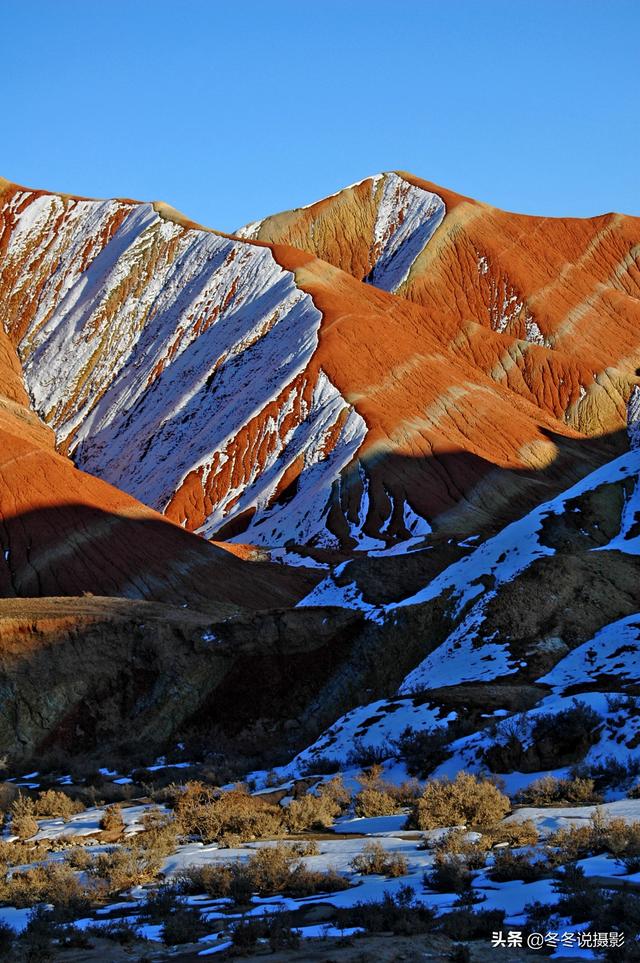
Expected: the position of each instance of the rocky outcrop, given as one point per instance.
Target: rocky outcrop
(64, 532)
(375, 370)
(99, 675)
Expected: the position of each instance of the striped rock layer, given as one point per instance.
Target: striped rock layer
(351, 374)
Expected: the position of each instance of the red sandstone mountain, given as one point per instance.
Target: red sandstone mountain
(396, 357)
(353, 380)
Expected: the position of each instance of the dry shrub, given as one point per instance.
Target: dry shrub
(550, 791)
(451, 873)
(304, 847)
(318, 811)
(23, 821)
(375, 802)
(457, 843)
(213, 815)
(45, 883)
(508, 866)
(521, 833)
(18, 852)
(375, 860)
(122, 867)
(53, 803)
(183, 925)
(79, 858)
(270, 870)
(615, 836)
(466, 800)
(381, 798)
(111, 820)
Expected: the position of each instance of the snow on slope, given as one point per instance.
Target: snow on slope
(613, 651)
(618, 734)
(375, 725)
(502, 557)
(406, 220)
(176, 364)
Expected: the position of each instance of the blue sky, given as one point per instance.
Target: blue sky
(232, 110)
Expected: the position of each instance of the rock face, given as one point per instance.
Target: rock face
(258, 393)
(64, 532)
(91, 674)
(419, 400)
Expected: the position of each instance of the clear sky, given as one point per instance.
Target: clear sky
(233, 109)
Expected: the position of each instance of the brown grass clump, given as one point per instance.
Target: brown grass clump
(46, 883)
(451, 872)
(318, 811)
(375, 802)
(457, 843)
(111, 820)
(375, 860)
(521, 833)
(55, 804)
(270, 870)
(381, 798)
(466, 800)
(615, 836)
(508, 866)
(214, 815)
(550, 791)
(79, 858)
(122, 867)
(20, 853)
(23, 821)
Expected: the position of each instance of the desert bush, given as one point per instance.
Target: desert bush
(270, 870)
(550, 791)
(111, 820)
(378, 797)
(508, 866)
(246, 934)
(119, 931)
(122, 867)
(317, 811)
(615, 836)
(465, 800)
(160, 835)
(365, 756)
(398, 913)
(53, 882)
(423, 750)
(8, 793)
(457, 842)
(53, 803)
(375, 802)
(213, 814)
(79, 857)
(183, 925)
(304, 847)
(579, 724)
(282, 935)
(611, 772)
(550, 739)
(450, 873)
(23, 821)
(321, 766)
(376, 860)
(517, 833)
(336, 790)
(18, 852)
